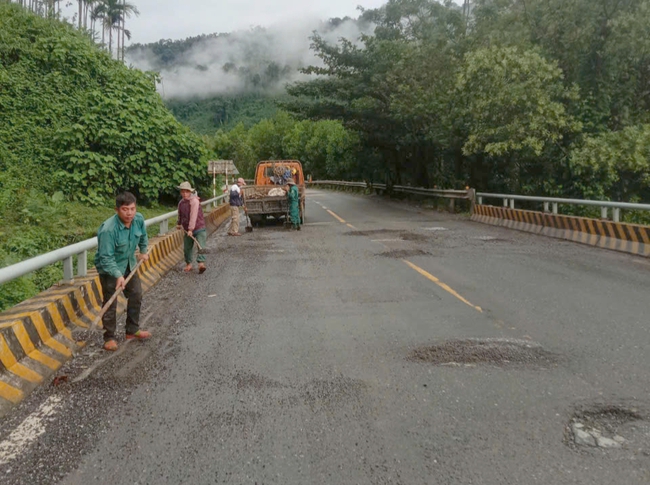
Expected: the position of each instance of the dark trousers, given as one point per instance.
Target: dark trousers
(133, 292)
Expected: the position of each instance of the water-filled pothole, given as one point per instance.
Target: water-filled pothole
(500, 352)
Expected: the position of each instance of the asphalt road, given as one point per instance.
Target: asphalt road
(344, 354)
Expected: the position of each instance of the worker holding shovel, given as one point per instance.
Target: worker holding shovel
(117, 239)
(191, 220)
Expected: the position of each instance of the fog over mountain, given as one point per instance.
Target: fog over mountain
(257, 60)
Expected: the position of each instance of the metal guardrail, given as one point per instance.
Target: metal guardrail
(553, 202)
(447, 194)
(80, 250)
(452, 195)
(550, 203)
(407, 189)
(340, 183)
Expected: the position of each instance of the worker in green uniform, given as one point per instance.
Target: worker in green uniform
(293, 198)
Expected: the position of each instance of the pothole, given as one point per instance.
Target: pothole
(609, 427)
(471, 352)
(247, 380)
(374, 232)
(491, 239)
(404, 253)
(333, 392)
(411, 236)
(394, 234)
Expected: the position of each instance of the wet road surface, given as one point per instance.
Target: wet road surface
(383, 343)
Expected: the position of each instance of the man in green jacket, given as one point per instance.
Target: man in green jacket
(293, 198)
(117, 239)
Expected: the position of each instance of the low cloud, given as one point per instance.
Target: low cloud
(256, 60)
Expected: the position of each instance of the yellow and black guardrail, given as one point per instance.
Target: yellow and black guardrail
(36, 336)
(618, 236)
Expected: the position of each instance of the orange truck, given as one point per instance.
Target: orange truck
(267, 197)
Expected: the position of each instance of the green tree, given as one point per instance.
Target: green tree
(514, 101)
(235, 145)
(81, 123)
(513, 111)
(615, 165)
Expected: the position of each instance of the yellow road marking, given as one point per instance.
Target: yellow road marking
(351, 226)
(336, 217)
(442, 285)
(10, 393)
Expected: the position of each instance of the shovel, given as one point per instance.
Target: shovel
(249, 227)
(105, 308)
(200, 249)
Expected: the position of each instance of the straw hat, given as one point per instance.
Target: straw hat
(291, 182)
(185, 186)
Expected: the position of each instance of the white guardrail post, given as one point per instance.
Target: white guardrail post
(80, 250)
(68, 270)
(82, 264)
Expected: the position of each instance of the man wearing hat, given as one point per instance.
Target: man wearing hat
(190, 219)
(293, 198)
(236, 201)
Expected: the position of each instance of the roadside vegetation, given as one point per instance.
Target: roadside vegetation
(76, 127)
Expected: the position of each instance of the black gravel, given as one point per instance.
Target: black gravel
(91, 406)
(500, 352)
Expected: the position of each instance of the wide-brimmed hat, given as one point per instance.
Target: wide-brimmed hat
(185, 186)
(241, 181)
(291, 182)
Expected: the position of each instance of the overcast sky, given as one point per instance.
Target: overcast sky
(177, 19)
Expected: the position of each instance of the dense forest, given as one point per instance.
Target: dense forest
(520, 96)
(523, 96)
(206, 115)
